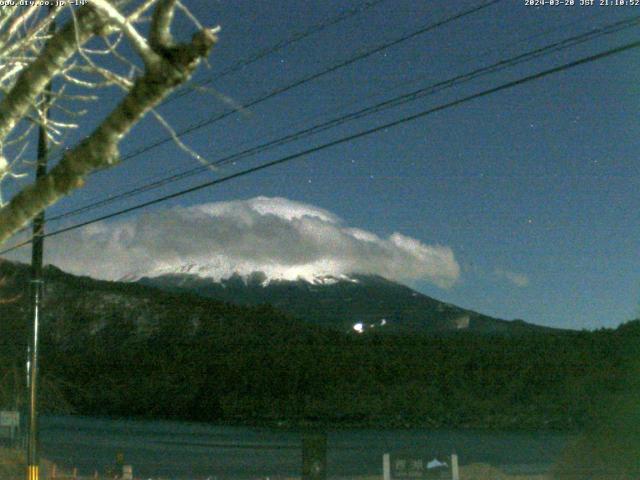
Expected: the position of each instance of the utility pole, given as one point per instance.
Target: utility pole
(36, 298)
(37, 290)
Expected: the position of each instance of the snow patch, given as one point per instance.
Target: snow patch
(213, 272)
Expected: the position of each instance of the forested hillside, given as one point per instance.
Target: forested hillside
(128, 350)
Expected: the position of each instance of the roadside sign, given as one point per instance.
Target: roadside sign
(127, 472)
(9, 424)
(412, 467)
(9, 418)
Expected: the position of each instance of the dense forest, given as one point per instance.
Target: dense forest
(128, 350)
(269, 369)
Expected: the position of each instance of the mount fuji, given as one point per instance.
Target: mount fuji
(347, 302)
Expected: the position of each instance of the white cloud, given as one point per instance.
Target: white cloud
(518, 279)
(283, 238)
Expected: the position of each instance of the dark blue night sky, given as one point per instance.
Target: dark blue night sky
(534, 189)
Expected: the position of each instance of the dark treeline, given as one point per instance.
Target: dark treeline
(265, 368)
(123, 350)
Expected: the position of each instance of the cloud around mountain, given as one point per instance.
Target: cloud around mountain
(282, 238)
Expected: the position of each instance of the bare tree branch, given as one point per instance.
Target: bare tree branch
(138, 41)
(160, 36)
(170, 66)
(51, 60)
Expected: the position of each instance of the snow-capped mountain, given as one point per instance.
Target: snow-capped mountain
(216, 273)
(355, 302)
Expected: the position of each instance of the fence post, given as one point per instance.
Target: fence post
(386, 466)
(455, 473)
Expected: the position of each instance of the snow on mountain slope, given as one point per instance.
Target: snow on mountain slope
(353, 302)
(215, 273)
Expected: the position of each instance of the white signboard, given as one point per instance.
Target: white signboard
(127, 472)
(9, 418)
(410, 467)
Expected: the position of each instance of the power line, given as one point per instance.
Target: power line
(314, 76)
(401, 84)
(387, 104)
(178, 175)
(309, 78)
(260, 54)
(348, 138)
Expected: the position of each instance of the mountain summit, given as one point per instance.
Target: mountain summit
(353, 302)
